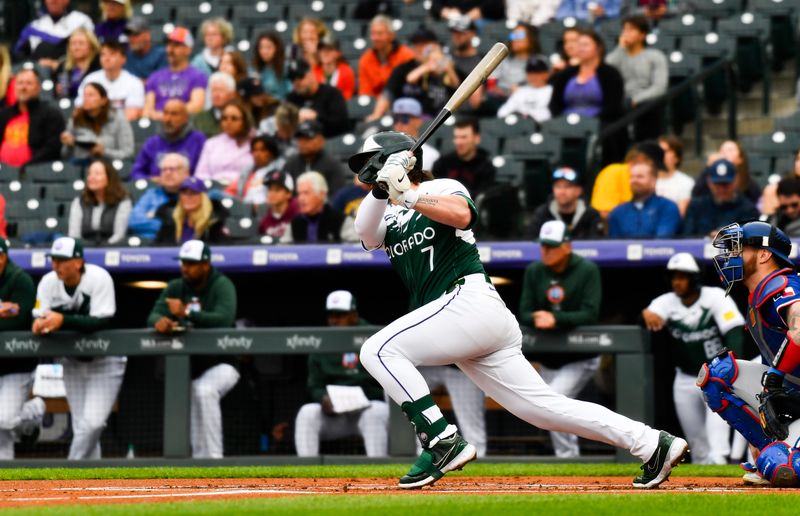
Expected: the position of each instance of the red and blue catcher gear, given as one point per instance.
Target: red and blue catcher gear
(715, 380)
(779, 464)
(768, 304)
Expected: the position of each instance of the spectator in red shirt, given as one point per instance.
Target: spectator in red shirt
(333, 68)
(376, 63)
(30, 130)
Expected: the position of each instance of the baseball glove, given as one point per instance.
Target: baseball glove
(778, 408)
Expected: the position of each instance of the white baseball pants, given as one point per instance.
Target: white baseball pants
(14, 390)
(206, 414)
(472, 328)
(568, 380)
(372, 423)
(91, 388)
(707, 433)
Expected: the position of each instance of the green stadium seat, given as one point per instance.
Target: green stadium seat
(156, 13)
(717, 9)
(783, 26)
(539, 152)
(684, 25)
(9, 173)
(242, 229)
(52, 172)
(343, 146)
(751, 34)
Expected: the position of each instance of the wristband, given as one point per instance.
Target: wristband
(410, 198)
(379, 193)
(788, 357)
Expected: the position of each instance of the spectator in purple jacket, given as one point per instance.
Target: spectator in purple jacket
(178, 80)
(115, 17)
(176, 135)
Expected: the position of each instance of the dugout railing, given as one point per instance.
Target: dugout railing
(630, 346)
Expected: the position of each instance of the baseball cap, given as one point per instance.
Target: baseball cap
(3, 246)
(423, 35)
(461, 24)
(281, 178)
(194, 251)
(537, 63)
(308, 129)
(566, 174)
(328, 41)
(407, 106)
(66, 248)
(297, 69)
(136, 25)
(683, 262)
(721, 171)
(249, 87)
(654, 153)
(181, 35)
(194, 184)
(340, 301)
(553, 233)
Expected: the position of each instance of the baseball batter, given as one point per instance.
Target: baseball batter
(458, 317)
(700, 321)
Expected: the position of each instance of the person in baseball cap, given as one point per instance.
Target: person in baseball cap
(281, 179)
(554, 233)
(66, 248)
(297, 69)
(568, 206)
(194, 251)
(723, 204)
(136, 25)
(341, 308)
(309, 129)
(144, 58)
(202, 297)
(532, 99)
(181, 36)
(193, 184)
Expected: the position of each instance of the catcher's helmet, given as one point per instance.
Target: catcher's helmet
(732, 238)
(369, 160)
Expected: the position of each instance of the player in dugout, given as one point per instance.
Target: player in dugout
(201, 298)
(457, 316)
(699, 321)
(322, 419)
(761, 401)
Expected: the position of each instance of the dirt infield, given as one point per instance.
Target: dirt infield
(39, 493)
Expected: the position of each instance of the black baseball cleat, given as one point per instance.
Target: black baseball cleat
(448, 454)
(670, 452)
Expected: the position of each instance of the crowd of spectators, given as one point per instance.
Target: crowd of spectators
(238, 119)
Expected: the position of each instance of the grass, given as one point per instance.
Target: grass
(351, 471)
(431, 505)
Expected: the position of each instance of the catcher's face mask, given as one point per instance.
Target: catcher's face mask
(728, 261)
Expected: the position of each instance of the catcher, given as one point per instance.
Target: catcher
(761, 401)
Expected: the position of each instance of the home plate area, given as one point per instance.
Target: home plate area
(39, 492)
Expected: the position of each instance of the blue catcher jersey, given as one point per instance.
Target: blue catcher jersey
(767, 308)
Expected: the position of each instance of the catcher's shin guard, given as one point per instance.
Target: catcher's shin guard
(715, 380)
(779, 464)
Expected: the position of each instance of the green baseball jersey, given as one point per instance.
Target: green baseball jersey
(428, 255)
(698, 330)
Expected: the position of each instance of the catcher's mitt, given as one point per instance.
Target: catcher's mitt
(778, 408)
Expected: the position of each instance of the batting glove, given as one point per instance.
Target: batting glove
(393, 178)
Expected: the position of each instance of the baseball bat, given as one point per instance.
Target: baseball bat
(468, 86)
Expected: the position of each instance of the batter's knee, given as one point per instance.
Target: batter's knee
(369, 354)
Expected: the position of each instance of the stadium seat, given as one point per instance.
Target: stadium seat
(683, 107)
(711, 47)
(760, 168)
(22, 207)
(20, 190)
(717, 9)
(790, 123)
(343, 146)
(685, 25)
(136, 189)
(509, 170)
(156, 13)
(236, 208)
(8, 173)
(52, 172)
(242, 228)
(143, 129)
(123, 168)
(782, 15)
(577, 136)
(194, 14)
(508, 127)
(751, 34)
(256, 14)
(784, 165)
(62, 193)
(539, 152)
(359, 107)
(326, 10)
(663, 42)
(772, 147)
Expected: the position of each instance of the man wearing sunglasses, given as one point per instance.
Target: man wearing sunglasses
(567, 206)
(787, 218)
(407, 114)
